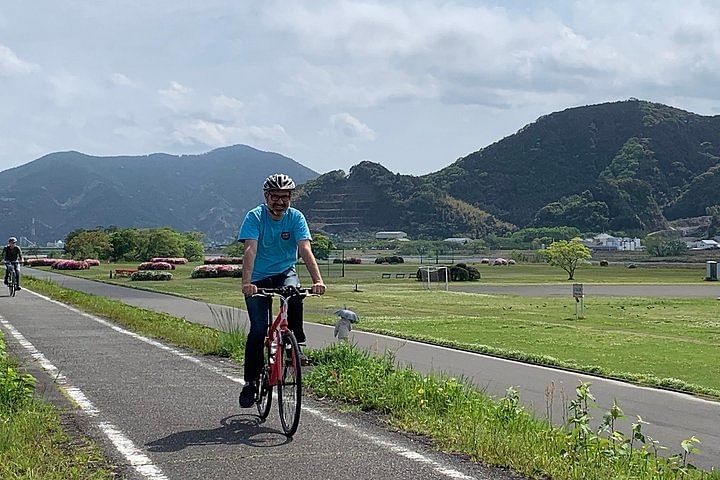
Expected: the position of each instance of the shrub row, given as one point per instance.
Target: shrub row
(391, 260)
(216, 271)
(70, 265)
(156, 266)
(92, 262)
(171, 260)
(463, 273)
(497, 261)
(143, 275)
(351, 261)
(223, 261)
(40, 262)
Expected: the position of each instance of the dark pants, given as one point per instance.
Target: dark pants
(14, 266)
(259, 309)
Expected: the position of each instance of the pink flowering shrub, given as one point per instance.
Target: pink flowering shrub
(70, 265)
(223, 261)
(144, 275)
(156, 266)
(216, 271)
(41, 262)
(92, 262)
(170, 260)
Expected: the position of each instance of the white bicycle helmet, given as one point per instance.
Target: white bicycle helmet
(278, 181)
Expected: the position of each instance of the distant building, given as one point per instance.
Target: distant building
(459, 240)
(703, 245)
(604, 241)
(56, 244)
(390, 235)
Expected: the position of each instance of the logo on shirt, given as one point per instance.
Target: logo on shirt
(285, 235)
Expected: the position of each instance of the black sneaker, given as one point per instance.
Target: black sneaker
(247, 395)
(18, 287)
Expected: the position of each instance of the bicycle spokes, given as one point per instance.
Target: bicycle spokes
(290, 386)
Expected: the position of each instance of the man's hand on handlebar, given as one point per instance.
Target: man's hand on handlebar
(249, 289)
(318, 288)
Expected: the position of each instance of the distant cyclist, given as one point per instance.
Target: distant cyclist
(12, 256)
(274, 234)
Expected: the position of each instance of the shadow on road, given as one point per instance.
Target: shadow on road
(233, 430)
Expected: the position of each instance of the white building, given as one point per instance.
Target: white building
(458, 240)
(703, 245)
(390, 235)
(604, 241)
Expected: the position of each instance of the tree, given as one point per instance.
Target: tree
(321, 246)
(125, 244)
(714, 227)
(235, 249)
(566, 255)
(194, 249)
(660, 245)
(89, 244)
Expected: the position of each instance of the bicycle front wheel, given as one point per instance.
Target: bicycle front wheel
(12, 283)
(290, 386)
(264, 395)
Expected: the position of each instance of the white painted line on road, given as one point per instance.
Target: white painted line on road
(402, 451)
(398, 449)
(141, 462)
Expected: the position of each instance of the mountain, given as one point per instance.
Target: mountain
(209, 192)
(630, 165)
(372, 198)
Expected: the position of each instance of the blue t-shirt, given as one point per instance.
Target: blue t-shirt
(277, 239)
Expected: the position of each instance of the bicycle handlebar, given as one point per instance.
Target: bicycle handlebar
(286, 291)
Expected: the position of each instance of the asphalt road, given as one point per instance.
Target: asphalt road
(161, 413)
(672, 416)
(707, 290)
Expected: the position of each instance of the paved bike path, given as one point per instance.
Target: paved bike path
(673, 417)
(167, 415)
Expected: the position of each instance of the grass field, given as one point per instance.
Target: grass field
(667, 338)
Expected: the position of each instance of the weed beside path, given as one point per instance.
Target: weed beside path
(33, 443)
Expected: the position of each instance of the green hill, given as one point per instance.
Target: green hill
(634, 159)
(372, 198)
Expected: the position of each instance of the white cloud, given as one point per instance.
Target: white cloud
(176, 97)
(351, 127)
(122, 80)
(369, 53)
(10, 64)
(212, 134)
(225, 108)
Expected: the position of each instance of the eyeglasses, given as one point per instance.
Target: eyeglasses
(279, 198)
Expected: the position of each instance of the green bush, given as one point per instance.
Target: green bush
(16, 389)
(144, 275)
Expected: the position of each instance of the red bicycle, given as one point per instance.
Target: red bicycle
(281, 367)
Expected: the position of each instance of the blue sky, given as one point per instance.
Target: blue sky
(411, 85)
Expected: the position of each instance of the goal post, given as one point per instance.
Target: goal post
(435, 274)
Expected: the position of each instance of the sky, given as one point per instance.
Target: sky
(411, 85)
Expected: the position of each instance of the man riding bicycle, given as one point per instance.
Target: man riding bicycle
(12, 256)
(274, 234)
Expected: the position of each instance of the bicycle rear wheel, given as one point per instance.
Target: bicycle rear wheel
(290, 386)
(264, 395)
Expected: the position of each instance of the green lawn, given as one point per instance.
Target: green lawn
(676, 338)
